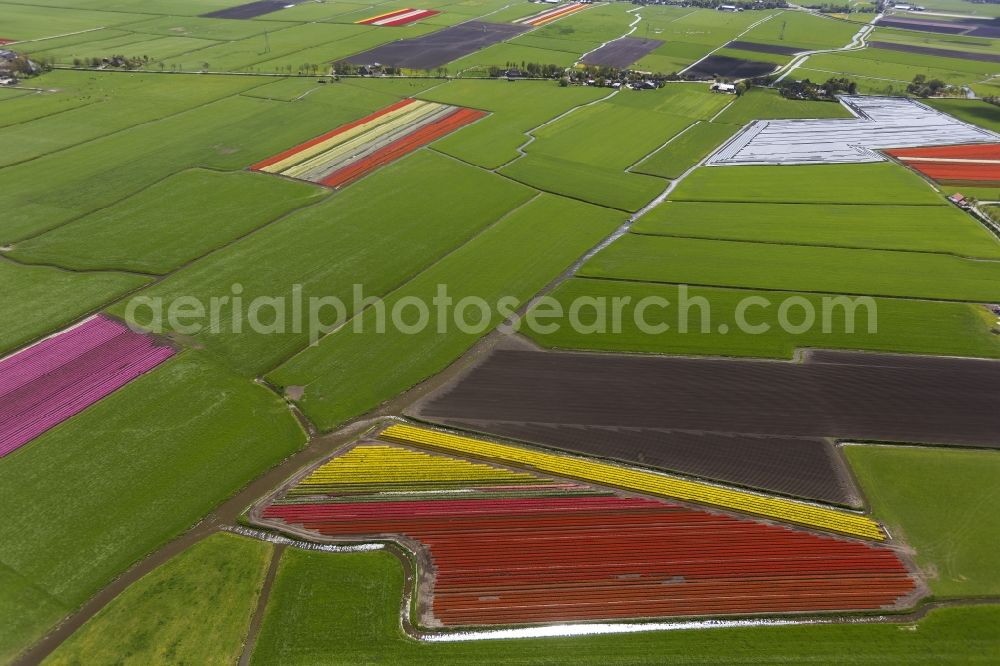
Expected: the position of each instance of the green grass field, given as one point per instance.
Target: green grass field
(228, 134)
(344, 608)
(202, 599)
(39, 300)
(356, 237)
(515, 109)
(879, 183)
(350, 372)
(111, 103)
(797, 268)
(972, 111)
(900, 325)
(941, 502)
(761, 104)
(583, 136)
(686, 150)
(33, 21)
(883, 71)
(802, 30)
(602, 186)
(90, 497)
(689, 100)
(170, 223)
(940, 229)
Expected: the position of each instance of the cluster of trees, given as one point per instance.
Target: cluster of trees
(922, 87)
(806, 89)
(116, 61)
(341, 68)
(843, 9)
(529, 69)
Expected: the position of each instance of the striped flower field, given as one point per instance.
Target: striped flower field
(640, 480)
(351, 151)
(550, 15)
(968, 165)
(514, 547)
(399, 17)
(47, 383)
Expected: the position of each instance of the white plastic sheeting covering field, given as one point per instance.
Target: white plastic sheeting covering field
(882, 122)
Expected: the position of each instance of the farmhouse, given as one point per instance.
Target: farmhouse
(959, 200)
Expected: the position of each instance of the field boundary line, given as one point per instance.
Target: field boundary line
(263, 597)
(67, 34)
(402, 284)
(4, 255)
(785, 290)
(50, 115)
(611, 238)
(531, 132)
(144, 123)
(666, 143)
(825, 245)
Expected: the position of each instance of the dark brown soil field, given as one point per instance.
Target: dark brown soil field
(251, 9)
(733, 420)
(763, 48)
(730, 68)
(800, 467)
(621, 52)
(943, 27)
(927, 50)
(989, 29)
(438, 48)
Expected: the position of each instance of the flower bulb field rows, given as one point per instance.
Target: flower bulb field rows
(508, 547)
(45, 384)
(353, 150)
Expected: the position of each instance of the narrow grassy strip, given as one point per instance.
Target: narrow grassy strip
(641, 481)
(797, 268)
(892, 325)
(880, 183)
(941, 229)
(357, 367)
